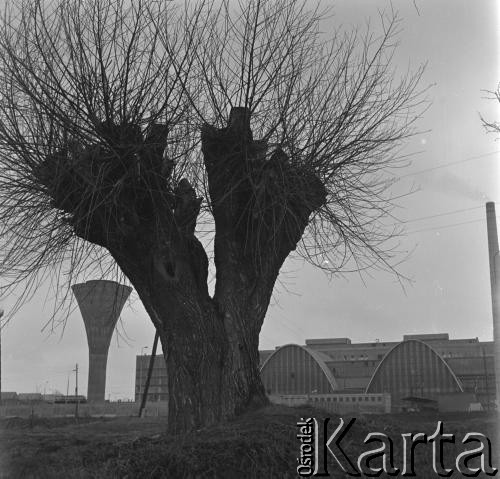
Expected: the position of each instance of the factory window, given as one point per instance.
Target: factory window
(380, 356)
(372, 399)
(341, 399)
(327, 399)
(334, 399)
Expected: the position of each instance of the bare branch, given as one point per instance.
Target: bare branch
(100, 122)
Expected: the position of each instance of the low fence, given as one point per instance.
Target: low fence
(333, 403)
(113, 409)
(339, 403)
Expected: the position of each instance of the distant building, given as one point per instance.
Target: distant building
(158, 386)
(8, 397)
(30, 397)
(13, 398)
(423, 369)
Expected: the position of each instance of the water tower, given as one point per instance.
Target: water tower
(100, 303)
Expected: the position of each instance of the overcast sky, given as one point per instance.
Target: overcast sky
(449, 292)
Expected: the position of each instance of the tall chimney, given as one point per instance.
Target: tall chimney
(495, 284)
(100, 303)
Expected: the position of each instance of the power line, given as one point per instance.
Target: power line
(447, 226)
(436, 215)
(445, 165)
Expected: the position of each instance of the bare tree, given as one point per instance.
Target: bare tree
(135, 133)
(489, 125)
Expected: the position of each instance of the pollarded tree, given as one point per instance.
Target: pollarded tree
(143, 131)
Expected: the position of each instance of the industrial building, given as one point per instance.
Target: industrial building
(422, 366)
(429, 370)
(158, 385)
(427, 367)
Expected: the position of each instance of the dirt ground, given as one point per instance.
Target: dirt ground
(259, 444)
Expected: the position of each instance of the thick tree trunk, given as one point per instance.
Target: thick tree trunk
(212, 371)
(261, 204)
(261, 207)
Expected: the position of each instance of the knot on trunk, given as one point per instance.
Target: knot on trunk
(186, 207)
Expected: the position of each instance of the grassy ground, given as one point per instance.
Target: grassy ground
(262, 444)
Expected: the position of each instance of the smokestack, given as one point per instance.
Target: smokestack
(100, 303)
(495, 283)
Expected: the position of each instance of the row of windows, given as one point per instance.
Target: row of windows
(152, 387)
(349, 399)
(154, 397)
(144, 374)
(462, 352)
(145, 367)
(353, 357)
(364, 357)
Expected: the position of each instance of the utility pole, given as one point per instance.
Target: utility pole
(140, 369)
(76, 391)
(148, 378)
(67, 388)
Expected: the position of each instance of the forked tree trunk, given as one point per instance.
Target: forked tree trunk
(261, 206)
(211, 349)
(123, 198)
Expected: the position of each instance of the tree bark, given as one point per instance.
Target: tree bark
(210, 348)
(261, 204)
